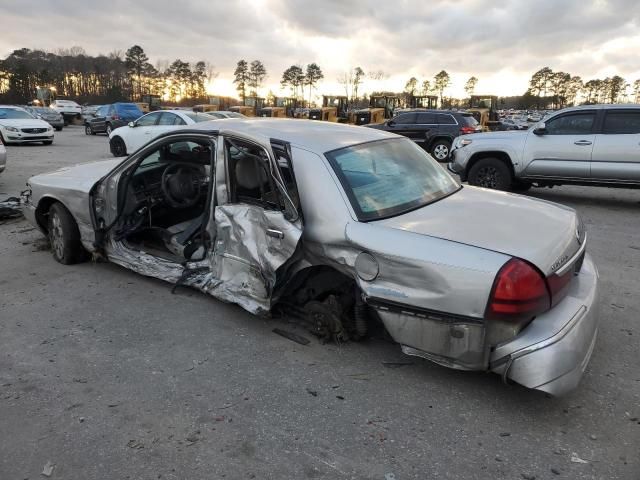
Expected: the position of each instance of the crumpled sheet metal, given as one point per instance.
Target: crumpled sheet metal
(10, 208)
(246, 258)
(234, 271)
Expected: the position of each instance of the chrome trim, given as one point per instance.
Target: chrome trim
(567, 266)
(551, 340)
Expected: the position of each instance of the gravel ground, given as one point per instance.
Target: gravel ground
(106, 374)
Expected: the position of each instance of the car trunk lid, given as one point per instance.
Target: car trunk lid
(543, 233)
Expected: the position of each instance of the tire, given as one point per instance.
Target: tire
(440, 150)
(108, 129)
(64, 236)
(58, 129)
(490, 173)
(88, 130)
(47, 142)
(118, 147)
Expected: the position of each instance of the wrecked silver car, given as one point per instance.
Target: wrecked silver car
(346, 226)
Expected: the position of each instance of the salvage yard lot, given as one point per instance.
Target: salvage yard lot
(106, 374)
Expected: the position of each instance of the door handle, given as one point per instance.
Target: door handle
(582, 142)
(275, 233)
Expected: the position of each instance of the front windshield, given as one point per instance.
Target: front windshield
(13, 114)
(389, 177)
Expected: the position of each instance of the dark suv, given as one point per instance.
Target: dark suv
(433, 130)
(110, 117)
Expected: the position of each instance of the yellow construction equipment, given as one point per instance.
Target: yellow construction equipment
(484, 108)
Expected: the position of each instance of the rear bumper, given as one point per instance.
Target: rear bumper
(552, 353)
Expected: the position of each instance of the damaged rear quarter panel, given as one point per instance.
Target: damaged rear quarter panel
(451, 280)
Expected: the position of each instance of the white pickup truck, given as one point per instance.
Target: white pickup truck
(586, 145)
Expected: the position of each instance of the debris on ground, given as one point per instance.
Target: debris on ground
(397, 364)
(526, 476)
(193, 437)
(505, 434)
(312, 392)
(136, 445)
(294, 337)
(576, 459)
(555, 471)
(10, 208)
(47, 470)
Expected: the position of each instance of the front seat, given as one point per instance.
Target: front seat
(250, 177)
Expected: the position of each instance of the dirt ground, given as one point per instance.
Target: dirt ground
(104, 374)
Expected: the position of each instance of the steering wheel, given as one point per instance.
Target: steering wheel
(181, 184)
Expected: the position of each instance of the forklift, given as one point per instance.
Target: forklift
(149, 103)
(251, 107)
(381, 107)
(273, 112)
(334, 109)
(484, 110)
(423, 101)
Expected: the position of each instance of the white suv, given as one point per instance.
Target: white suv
(68, 109)
(586, 145)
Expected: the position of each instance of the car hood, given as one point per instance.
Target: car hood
(79, 177)
(24, 123)
(541, 232)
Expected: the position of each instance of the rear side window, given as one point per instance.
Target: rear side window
(621, 122)
(469, 120)
(405, 118)
(426, 118)
(446, 119)
(573, 124)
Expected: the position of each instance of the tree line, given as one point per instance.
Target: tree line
(130, 75)
(103, 78)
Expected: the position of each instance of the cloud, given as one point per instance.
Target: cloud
(485, 38)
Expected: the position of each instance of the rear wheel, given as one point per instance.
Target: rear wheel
(440, 150)
(88, 130)
(64, 236)
(491, 173)
(118, 147)
(58, 129)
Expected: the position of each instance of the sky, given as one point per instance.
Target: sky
(501, 42)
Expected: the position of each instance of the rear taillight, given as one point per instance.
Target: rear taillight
(519, 294)
(465, 130)
(115, 116)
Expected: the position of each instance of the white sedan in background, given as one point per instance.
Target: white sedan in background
(19, 126)
(129, 138)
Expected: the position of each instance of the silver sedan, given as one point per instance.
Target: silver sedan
(342, 227)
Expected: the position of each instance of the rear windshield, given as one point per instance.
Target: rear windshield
(468, 119)
(13, 114)
(129, 110)
(201, 117)
(389, 177)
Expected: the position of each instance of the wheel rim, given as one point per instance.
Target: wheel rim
(441, 152)
(108, 129)
(57, 236)
(87, 130)
(489, 177)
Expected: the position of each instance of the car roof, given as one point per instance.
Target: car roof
(600, 106)
(317, 136)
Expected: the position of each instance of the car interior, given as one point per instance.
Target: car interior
(166, 198)
(165, 201)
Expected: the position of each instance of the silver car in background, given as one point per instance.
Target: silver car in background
(47, 114)
(343, 227)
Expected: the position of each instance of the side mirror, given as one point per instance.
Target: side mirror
(391, 123)
(132, 124)
(540, 129)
